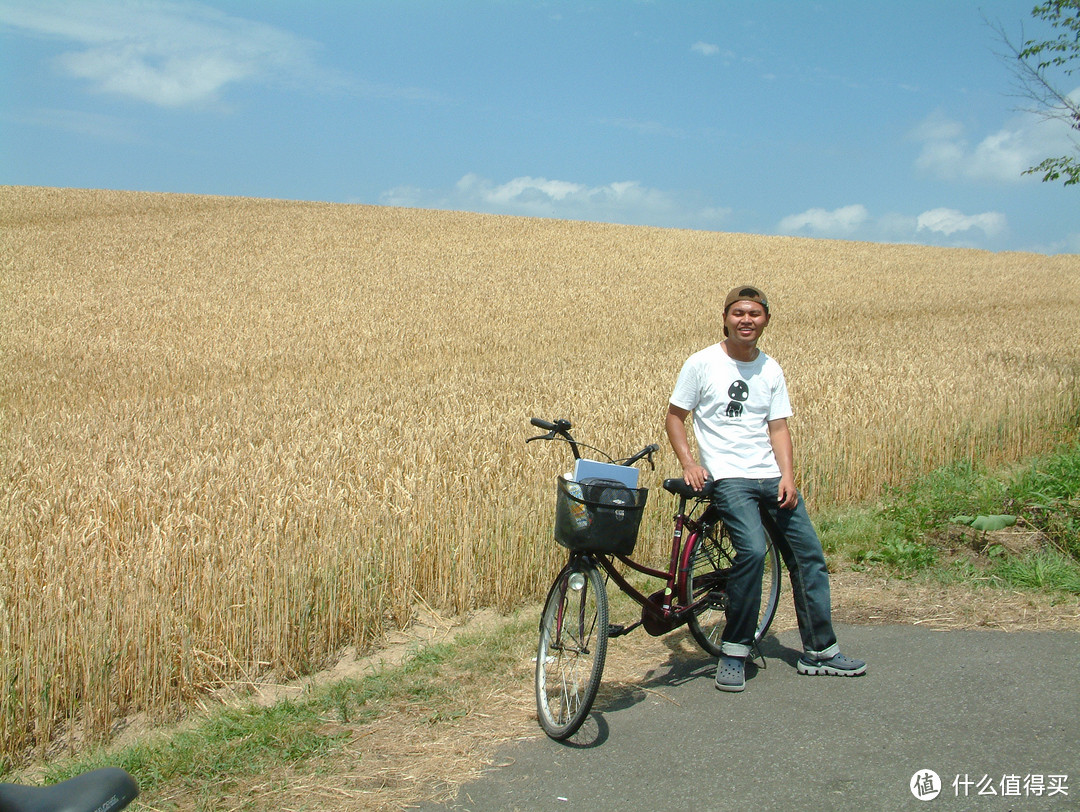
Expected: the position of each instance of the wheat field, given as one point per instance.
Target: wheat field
(238, 435)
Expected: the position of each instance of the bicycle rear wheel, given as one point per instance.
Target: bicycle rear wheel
(572, 649)
(710, 561)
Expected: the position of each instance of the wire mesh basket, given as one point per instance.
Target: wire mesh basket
(598, 515)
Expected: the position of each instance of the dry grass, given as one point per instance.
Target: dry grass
(239, 435)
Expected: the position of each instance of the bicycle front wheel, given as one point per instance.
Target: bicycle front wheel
(572, 649)
(710, 562)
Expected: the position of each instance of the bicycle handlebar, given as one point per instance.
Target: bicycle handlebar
(560, 430)
(546, 425)
(647, 451)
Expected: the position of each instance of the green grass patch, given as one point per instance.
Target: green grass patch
(1047, 494)
(907, 532)
(930, 502)
(1046, 570)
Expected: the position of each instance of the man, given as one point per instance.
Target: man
(738, 397)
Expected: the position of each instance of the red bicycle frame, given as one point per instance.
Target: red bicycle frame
(671, 605)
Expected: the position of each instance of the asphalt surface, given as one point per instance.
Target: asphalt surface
(976, 707)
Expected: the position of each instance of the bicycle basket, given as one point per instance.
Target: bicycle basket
(598, 515)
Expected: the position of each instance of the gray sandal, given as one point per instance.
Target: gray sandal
(731, 673)
(837, 666)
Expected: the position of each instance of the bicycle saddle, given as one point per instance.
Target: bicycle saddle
(105, 790)
(680, 488)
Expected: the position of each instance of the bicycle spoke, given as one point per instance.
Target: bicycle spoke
(570, 656)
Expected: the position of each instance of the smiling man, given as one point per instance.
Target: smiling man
(739, 400)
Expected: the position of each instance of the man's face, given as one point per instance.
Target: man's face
(745, 321)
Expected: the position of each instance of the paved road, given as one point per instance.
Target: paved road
(979, 705)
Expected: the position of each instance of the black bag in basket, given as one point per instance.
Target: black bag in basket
(598, 515)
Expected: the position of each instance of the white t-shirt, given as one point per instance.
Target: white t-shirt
(732, 402)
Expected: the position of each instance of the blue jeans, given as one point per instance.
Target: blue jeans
(749, 508)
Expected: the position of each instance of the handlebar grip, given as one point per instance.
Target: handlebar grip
(562, 426)
(645, 452)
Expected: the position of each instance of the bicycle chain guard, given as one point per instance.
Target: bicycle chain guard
(654, 625)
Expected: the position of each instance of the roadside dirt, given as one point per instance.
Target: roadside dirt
(406, 757)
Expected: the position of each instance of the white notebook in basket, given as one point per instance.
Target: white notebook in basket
(592, 469)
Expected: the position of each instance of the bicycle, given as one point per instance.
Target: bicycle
(107, 788)
(597, 520)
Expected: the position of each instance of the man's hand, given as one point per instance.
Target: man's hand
(695, 476)
(780, 438)
(787, 496)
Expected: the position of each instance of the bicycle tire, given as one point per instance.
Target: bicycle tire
(572, 649)
(710, 559)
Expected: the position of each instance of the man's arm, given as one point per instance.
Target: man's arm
(675, 424)
(780, 438)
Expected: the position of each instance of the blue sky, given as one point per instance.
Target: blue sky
(882, 121)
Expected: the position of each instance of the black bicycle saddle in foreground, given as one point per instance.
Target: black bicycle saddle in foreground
(104, 790)
(680, 488)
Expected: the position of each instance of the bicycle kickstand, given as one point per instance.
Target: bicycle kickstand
(755, 655)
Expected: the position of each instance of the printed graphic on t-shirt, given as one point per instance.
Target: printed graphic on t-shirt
(739, 391)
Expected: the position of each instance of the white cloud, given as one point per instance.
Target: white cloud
(939, 226)
(936, 128)
(631, 203)
(950, 221)
(171, 54)
(626, 202)
(998, 157)
(711, 49)
(819, 222)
